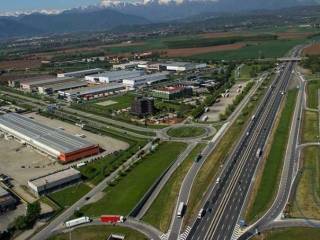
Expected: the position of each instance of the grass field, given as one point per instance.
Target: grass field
(312, 89)
(269, 49)
(186, 132)
(209, 169)
(68, 196)
(160, 212)
(130, 188)
(306, 203)
(291, 234)
(310, 131)
(269, 180)
(99, 233)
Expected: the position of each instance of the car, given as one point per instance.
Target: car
(201, 213)
(198, 158)
(218, 180)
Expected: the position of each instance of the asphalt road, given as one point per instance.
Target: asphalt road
(229, 195)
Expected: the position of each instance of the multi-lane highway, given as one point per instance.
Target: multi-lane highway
(229, 195)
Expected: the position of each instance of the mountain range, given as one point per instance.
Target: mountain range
(115, 13)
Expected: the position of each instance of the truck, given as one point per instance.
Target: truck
(77, 221)
(112, 219)
(181, 209)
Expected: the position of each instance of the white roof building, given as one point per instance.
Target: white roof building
(145, 80)
(113, 76)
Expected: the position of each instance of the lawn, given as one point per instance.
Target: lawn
(268, 49)
(267, 187)
(186, 132)
(298, 233)
(312, 89)
(99, 233)
(306, 201)
(130, 188)
(310, 131)
(160, 212)
(210, 168)
(68, 196)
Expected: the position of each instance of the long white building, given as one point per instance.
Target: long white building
(145, 80)
(113, 76)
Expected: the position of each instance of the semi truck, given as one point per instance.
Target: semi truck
(112, 219)
(77, 221)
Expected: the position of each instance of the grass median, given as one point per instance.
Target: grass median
(122, 196)
(310, 130)
(266, 186)
(160, 212)
(186, 132)
(312, 89)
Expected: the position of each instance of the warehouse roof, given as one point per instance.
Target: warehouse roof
(95, 89)
(82, 72)
(44, 81)
(117, 74)
(54, 177)
(65, 85)
(148, 76)
(53, 138)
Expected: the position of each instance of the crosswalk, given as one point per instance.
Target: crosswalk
(164, 236)
(237, 232)
(184, 235)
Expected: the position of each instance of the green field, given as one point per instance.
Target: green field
(68, 196)
(269, 181)
(99, 233)
(186, 132)
(306, 200)
(160, 212)
(130, 188)
(291, 234)
(269, 49)
(310, 131)
(312, 89)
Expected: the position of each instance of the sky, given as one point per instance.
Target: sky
(30, 5)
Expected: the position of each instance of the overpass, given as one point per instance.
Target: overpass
(290, 59)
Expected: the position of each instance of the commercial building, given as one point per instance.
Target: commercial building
(145, 80)
(54, 142)
(7, 201)
(173, 92)
(128, 65)
(54, 181)
(142, 106)
(92, 92)
(81, 73)
(184, 66)
(33, 85)
(113, 76)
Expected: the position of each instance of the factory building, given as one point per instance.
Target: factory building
(113, 76)
(80, 74)
(92, 92)
(184, 66)
(173, 92)
(142, 106)
(7, 201)
(54, 142)
(61, 86)
(32, 85)
(149, 79)
(54, 181)
(128, 65)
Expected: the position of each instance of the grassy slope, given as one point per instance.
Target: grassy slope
(312, 89)
(310, 127)
(183, 132)
(70, 195)
(99, 232)
(121, 198)
(306, 202)
(272, 169)
(291, 234)
(160, 212)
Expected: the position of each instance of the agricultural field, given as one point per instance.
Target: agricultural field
(265, 189)
(160, 212)
(314, 49)
(139, 179)
(99, 232)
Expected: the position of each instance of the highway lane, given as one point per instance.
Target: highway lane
(225, 218)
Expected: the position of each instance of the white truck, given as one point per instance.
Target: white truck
(181, 209)
(77, 221)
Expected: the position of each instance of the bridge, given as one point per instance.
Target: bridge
(290, 59)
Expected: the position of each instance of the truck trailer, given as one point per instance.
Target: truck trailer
(112, 219)
(77, 221)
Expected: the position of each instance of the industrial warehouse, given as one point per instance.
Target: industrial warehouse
(54, 181)
(54, 142)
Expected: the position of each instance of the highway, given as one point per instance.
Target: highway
(229, 195)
